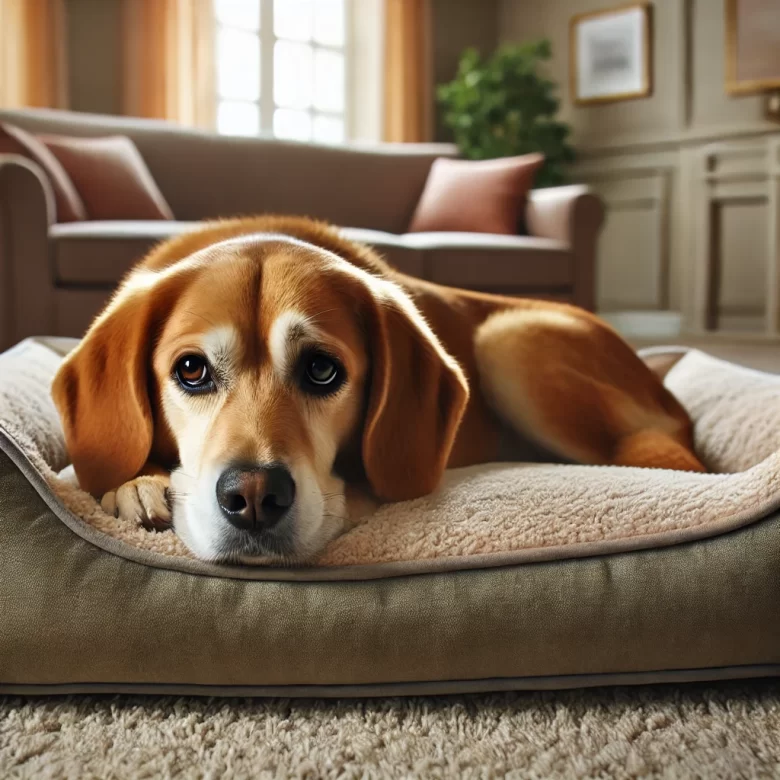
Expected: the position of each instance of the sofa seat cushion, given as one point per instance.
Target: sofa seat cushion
(402, 255)
(101, 253)
(485, 261)
(475, 260)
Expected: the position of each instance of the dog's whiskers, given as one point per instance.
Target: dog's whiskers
(196, 314)
(312, 318)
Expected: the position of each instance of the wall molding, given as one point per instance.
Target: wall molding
(590, 148)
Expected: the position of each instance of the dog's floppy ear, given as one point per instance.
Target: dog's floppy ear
(417, 397)
(102, 394)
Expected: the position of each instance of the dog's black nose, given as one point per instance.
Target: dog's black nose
(255, 498)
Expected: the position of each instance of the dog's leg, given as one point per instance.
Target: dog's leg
(572, 384)
(655, 449)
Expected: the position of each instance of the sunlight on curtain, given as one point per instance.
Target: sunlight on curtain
(408, 81)
(32, 54)
(168, 60)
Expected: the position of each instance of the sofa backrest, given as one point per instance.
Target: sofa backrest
(204, 175)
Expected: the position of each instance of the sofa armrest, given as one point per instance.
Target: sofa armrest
(26, 285)
(574, 215)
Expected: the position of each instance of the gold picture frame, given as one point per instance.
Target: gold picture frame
(745, 77)
(637, 22)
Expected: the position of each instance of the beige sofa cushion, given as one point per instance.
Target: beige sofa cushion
(482, 261)
(100, 253)
(395, 249)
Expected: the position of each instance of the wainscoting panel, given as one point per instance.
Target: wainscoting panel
(692, 226)
(629, 270)
(635, 246)
(740, 295)
(735, 279)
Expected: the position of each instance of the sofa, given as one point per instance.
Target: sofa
(55, 277)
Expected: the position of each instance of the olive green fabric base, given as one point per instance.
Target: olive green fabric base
(445, 688)
(74, 617)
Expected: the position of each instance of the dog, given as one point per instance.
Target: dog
(261, 382)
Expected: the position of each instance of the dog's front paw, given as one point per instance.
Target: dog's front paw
(143, 500)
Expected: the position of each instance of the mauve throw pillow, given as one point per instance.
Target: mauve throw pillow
(475, 196)
(14, 140)
(111, 177)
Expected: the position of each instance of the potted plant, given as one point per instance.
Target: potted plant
(503, 106)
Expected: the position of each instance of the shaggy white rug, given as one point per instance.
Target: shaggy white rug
(729, 730)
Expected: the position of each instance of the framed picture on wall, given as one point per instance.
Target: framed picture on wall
(610, 54)
(752, 46)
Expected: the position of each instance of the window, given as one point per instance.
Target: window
(282, 68)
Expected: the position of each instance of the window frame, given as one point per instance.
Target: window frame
(266, 103)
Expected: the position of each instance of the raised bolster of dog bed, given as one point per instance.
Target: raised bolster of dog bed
(510, 576)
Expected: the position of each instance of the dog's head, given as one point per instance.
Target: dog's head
(253, 368)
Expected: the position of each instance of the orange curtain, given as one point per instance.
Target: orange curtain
(32, 54)
(408, 108)
(168, 60)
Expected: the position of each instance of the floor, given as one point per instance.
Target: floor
(729, 730)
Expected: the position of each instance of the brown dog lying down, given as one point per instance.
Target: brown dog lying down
(248, 377)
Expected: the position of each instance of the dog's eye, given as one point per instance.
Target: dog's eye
(192, 373)
(321, 374)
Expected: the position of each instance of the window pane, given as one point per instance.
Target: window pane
(292, 74)
(238, 65)
(238, 118)
(329, 80)
(238, 13)
(293, 19)
(328, 129)
(329, 22)
(295, 125)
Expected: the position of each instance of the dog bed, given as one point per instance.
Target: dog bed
(509, 576)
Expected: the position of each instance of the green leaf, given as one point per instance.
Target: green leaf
(505, 106)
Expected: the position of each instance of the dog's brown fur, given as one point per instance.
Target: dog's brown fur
(548, 372)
